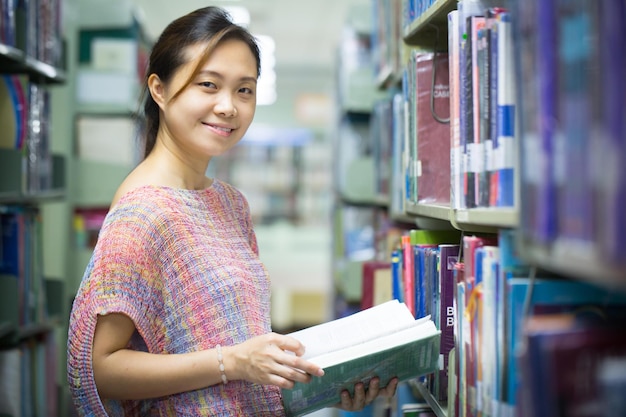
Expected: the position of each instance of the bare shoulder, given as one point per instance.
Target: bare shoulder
(137, 178)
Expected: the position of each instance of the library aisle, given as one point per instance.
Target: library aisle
(466, 157)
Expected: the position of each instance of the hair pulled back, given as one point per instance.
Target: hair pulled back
(209, 25)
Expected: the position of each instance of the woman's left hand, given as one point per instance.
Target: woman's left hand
(363, 396)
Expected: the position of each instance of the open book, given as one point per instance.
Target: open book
(383, 341)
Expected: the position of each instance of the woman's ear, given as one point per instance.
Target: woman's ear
(157, 89)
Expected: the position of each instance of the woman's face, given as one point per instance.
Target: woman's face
(214, 111)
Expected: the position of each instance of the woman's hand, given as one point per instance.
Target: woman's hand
(270, 359)
(363, 397)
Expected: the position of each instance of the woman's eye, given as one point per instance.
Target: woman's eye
(245, 90)
(207, 84)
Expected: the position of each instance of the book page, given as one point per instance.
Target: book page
(357, 328)
(420, 331)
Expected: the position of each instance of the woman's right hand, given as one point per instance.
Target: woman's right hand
(270, 359)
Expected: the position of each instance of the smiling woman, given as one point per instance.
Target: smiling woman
(172, 315)
(205, 109)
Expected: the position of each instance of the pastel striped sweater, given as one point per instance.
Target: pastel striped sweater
(184, 266)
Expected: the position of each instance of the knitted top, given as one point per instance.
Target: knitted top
(184, 266)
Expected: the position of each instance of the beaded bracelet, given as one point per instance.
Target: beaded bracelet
(220, 359)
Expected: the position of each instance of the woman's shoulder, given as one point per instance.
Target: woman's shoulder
(131, 185)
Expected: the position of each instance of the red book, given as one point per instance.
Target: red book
(370, 268)
(408, 273)
(433, 132)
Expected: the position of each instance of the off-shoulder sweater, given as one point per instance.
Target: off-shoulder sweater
(184, 266)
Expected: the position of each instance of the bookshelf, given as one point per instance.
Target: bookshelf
(428, 26)
(558, 216)
(32, 175)
(14, 60)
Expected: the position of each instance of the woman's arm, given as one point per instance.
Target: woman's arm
(121, 373)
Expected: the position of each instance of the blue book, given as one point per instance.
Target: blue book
(423, 305)
(397, 290)
(11, 228)
(505, 148)
(535, 70)
(579, 110)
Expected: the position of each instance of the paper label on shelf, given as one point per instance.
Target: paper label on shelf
(509, 154)
(489, 155)
(478, 156)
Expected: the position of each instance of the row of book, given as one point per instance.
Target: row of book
(410, 135)
(22, 282)
(536, 110)
(28, 379)
(386, 39)
(482, 108)
(25, 120)
(572, 131)
(511, 338)
(423, 259)
(414, 9)
(33, 27)
(445, 139)
(498, 296)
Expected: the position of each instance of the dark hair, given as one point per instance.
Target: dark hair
(210, 25)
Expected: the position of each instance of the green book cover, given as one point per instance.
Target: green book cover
(434, 237)
(405, 353)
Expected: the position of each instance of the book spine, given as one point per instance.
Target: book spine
(397, 290)
(611, 157)
(456, 161)
(467, 110)
(533, 159)
(548, 112)
(482, 57)
(397, 188)
(487, 325)
(448, 258)
(578, 115)
(492, 47)
(506, 153)
(408, 273)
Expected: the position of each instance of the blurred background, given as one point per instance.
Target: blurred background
(284, 164)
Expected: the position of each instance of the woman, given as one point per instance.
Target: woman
(172, 315)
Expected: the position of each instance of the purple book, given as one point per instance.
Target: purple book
(525, 41)
(546, 49)
(613, 157)
(448, 258)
